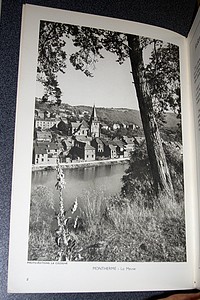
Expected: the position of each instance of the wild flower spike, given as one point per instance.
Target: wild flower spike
(66, 221)
(60, 184)
(76, 222)
(75, 206)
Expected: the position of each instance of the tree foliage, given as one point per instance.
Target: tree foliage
(163, 75)
(51, 57)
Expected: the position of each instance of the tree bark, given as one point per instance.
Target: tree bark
(160, 172)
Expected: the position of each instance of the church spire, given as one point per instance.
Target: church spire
(94, 114)
(94, 124)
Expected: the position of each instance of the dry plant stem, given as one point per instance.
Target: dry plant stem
(61, 216)
(62, 219)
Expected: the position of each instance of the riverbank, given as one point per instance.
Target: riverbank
(81, 164)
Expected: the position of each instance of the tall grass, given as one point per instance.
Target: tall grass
(130, 233)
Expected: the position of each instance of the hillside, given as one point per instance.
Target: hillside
(115, 115)
(108, 115)
(123, 115)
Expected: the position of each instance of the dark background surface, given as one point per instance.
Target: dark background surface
(176, 15)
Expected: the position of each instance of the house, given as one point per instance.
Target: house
(105, 126)
(111, 151)
(129, 145)
(132, 126)
(40, 156)
(89, 153)
(83, 129)
(46, 153)
(43, 136)
(120, 147)
(39, 114)
(83, 150)
(139, 140)
(44, 123)
(98, 145)
(116, 126)
(53, 148)
(123, 125)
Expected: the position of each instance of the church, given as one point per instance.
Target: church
(90, 129)
(83, 136)
(94, 124)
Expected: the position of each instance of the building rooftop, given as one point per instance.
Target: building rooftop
(89, 147)
(43, 134)
(82, 138)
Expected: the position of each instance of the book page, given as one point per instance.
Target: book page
(102, 185)
(194, 50)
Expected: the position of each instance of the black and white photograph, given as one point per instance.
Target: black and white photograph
(107, 161)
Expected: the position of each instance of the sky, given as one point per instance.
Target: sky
(111, 85)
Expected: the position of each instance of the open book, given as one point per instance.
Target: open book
(106, 161)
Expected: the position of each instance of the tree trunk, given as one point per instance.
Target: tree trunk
(160, 172)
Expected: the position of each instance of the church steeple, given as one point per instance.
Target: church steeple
(94, 124)
(93, 115)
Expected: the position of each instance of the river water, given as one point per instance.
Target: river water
(99, 179)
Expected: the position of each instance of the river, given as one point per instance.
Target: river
(81, 181)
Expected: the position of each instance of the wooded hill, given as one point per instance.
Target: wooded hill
(126, 116)
(106, 115)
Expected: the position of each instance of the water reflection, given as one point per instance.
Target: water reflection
(79, 182)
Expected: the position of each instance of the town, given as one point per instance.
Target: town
(83, 139)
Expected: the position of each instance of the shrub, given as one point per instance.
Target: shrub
(137, 181)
